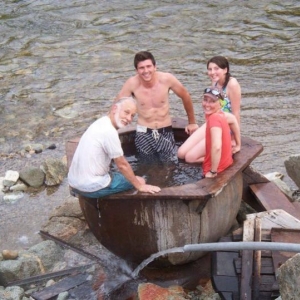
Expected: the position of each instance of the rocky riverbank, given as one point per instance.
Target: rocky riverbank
(68, 224)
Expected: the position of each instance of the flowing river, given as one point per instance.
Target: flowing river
(63, 62)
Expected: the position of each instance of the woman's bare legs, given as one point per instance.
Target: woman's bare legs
(193, 149)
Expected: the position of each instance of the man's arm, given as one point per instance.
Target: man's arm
(125, 168)
(126, 90)
(178, 88)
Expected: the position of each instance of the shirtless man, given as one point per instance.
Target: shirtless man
(154, 138)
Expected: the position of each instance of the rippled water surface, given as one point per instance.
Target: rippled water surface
(62, 63)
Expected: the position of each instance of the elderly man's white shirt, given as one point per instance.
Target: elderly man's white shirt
(91, 162)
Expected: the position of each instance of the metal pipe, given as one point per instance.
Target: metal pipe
(222, 246)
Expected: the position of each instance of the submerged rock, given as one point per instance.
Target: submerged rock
(33, 176)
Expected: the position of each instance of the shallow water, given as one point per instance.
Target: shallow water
(62, 62)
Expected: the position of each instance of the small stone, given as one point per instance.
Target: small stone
(18, 187)
(52, 147)
(11, 177)
(63, 296)
(10, 254)
(50, 282)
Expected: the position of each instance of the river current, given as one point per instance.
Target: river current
(63, 62)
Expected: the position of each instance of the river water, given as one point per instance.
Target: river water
(62, 63)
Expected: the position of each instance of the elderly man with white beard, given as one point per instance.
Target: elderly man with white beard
(89, 174)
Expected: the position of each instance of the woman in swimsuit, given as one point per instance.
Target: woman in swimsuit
(193, 149)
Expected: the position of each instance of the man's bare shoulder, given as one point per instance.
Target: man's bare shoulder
(166, 77)
(132, 82)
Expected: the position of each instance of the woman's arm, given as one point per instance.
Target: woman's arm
(233, 90)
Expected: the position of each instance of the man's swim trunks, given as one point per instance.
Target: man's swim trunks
(154, 145)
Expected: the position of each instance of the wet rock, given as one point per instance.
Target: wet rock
(292, 166)
(273, 176)
(66, 112)
(19, 187)
(149, 291)
(51, 147)
(207, 293)
(296, 195)
(33, 176)
(67, 221)
(288, 277)
(63, 296)
(34, 148)
(11, 177)
(50, 282)
(10, 254)
(37, 260)
(12, 293)
(23, 267)
(48, 252)
(13, 197)
(55, 171)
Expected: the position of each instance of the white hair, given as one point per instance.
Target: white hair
(123, 99)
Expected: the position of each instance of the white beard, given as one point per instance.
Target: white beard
(117, 118)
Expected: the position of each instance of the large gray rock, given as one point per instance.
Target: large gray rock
(37, 260)
(292, 166)
(288, 277)
(12, 293)
(21, 268)
(33, 176)
(55, 170)
(48, 252)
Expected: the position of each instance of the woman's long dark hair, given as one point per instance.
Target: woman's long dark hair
(222, 63)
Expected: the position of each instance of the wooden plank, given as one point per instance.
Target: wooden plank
(266, 265)
(271, 197)
(247, 262)
(276, 218)
(267, 283)
(257, 261)
(59, 287)
(283, 235)
(251, 176)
